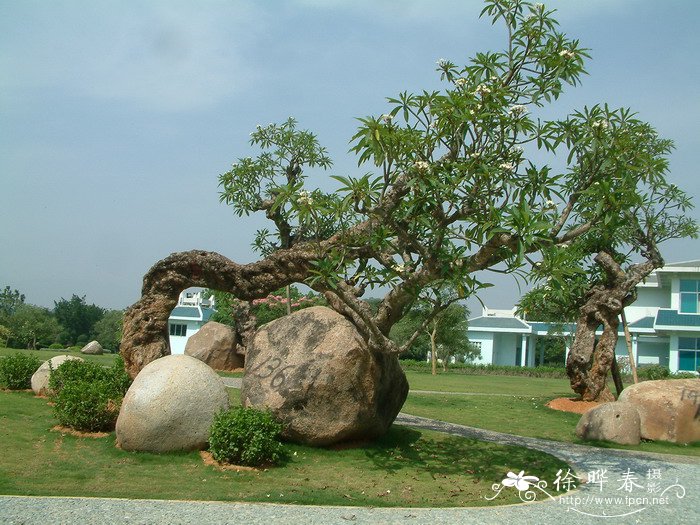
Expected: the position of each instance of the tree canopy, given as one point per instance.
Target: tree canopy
(453, 187)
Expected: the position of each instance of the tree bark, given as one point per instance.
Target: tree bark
(433, 350)
(590, 361)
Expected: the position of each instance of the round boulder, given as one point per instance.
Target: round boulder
(92, 348)
(617, 422)
(313, 370)
(215, 344)
(170, 406)
(40, 379)
(669, 409)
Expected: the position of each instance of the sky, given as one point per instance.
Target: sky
(117, 117)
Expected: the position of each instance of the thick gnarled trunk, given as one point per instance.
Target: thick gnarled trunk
(590, 360)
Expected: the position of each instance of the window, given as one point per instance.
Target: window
(688, 354)
(178, 330)
(690, 296)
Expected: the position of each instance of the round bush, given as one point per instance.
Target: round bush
(56, 346)
(90, 407)
(16, 370)
(246, 436)
(115, 377)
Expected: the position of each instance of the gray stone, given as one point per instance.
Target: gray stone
(617, 422)
(313, 370)
(215, 344)
(669, 409)
(40, 379)
(170, 406)
(92, 348)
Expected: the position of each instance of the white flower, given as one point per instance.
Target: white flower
(441, 62)
(507, 166)
(386, 118)
(520, 482)
(461, 81)
(482, 90)
(601, 124)
(400, 268)
(517, 110)
(539, 6)
(304, 198)
(516, 151)
(550, 205)
(421, 165)
(567, 54)
(475, 155)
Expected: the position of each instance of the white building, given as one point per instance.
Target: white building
(190, 314)
(664, 323)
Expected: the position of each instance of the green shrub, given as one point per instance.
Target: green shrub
(89, 407)
(246, 436)
(653, 372)
(683, 375)
(87, 396)
(56, 346)
(115, 377)
(16, 370)
(487, 369)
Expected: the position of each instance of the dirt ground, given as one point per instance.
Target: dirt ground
(567, 404)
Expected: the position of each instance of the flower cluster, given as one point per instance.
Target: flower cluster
(506, 166)
(517, 110)
(461, 82)
(567, 54)
(386, 118)
(421, 165)
(601, 124)
(482, 90)
(305, 198)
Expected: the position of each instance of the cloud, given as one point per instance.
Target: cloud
(168, 57)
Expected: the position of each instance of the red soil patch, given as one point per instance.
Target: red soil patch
(210, 461)
(575, 405)
(78, 433)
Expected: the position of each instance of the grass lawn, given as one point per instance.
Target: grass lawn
(406, 468)
(45, 355)
(524, 413)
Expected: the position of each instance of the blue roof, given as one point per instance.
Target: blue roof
(671, 318)
(207, 313)
(644, 322)
(185, 311)
(509, 323)
(553, 327)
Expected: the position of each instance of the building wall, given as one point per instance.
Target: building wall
(485, 340)
(505, 345)
(650, 352)
(178, 343)
(648, 302)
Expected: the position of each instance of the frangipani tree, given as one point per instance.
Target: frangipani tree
(450, 192)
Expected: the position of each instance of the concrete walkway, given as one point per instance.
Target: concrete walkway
(607, 502)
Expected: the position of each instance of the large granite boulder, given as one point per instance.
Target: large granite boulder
(40, 379)
(617, 422)
(215, 344)
(313, 370)
(669, 409)
(92, 348)
(170, 406)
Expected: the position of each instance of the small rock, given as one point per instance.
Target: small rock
(215, 344)
(617, 422)
(170, 406)
(92, 348)
(40, 379)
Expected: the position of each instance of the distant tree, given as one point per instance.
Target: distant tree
(108, 330)
(443, 335)
(10, 300)
(5, 334)
(76, 317)
(32, 326)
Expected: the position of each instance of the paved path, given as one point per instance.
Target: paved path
(581, 507)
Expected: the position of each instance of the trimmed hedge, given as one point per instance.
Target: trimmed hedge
(472, 369)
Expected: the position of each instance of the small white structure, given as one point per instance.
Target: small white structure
(190, 314)
(664, 323)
